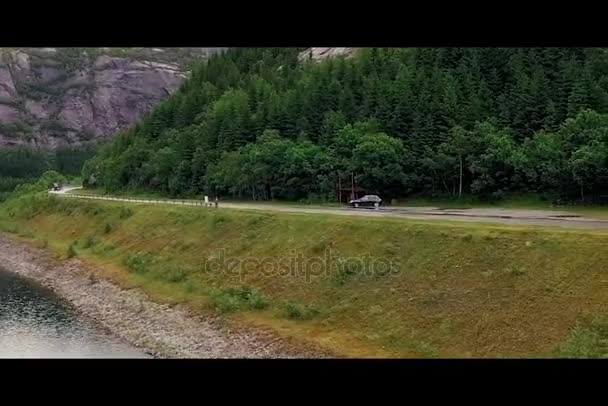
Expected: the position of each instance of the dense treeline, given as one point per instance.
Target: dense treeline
(26, 164)
(257, 123)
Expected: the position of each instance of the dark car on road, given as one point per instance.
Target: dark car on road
(366, 201)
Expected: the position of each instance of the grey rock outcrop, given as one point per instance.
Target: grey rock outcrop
(51, 97)
(318, 54)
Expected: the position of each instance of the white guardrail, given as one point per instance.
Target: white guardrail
(139, 200)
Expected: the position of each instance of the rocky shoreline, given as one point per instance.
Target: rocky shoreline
(160, 330)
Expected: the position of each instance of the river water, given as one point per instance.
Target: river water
(36, 323)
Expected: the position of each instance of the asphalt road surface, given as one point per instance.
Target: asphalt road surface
(498, 216)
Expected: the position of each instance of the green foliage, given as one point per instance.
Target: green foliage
(257, 123)
(587, 341)
(44, 184)
(139, 263)
(24, 165)
(8, 184)
(243, 298)
(295, 311)
(69, 160)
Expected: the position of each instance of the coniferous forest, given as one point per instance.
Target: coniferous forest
(259, 123)
(26, 164)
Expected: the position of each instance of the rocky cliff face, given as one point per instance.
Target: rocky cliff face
(318, 54)
(51, 97)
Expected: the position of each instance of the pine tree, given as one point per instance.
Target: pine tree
(578, 98)
(551, 120)
(539, 98)
(565, 81)
(449, 108)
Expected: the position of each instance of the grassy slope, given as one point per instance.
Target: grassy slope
(461, 290)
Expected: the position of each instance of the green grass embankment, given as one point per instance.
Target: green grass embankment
(454, 289)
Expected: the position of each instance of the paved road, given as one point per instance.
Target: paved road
(500, 216)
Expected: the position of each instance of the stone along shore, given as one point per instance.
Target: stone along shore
(161, 330)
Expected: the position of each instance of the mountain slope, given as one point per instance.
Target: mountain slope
(267, 124)
(56, 96)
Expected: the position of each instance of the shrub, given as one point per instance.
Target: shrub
(226, 303)
(587, 341)
(107, 228)
(294, 311)
(257, 300)
(243, 298)
(139, 263)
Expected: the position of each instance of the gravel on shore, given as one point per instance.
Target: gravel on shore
(161, 330)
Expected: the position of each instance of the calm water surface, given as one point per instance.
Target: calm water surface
(36, 323)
